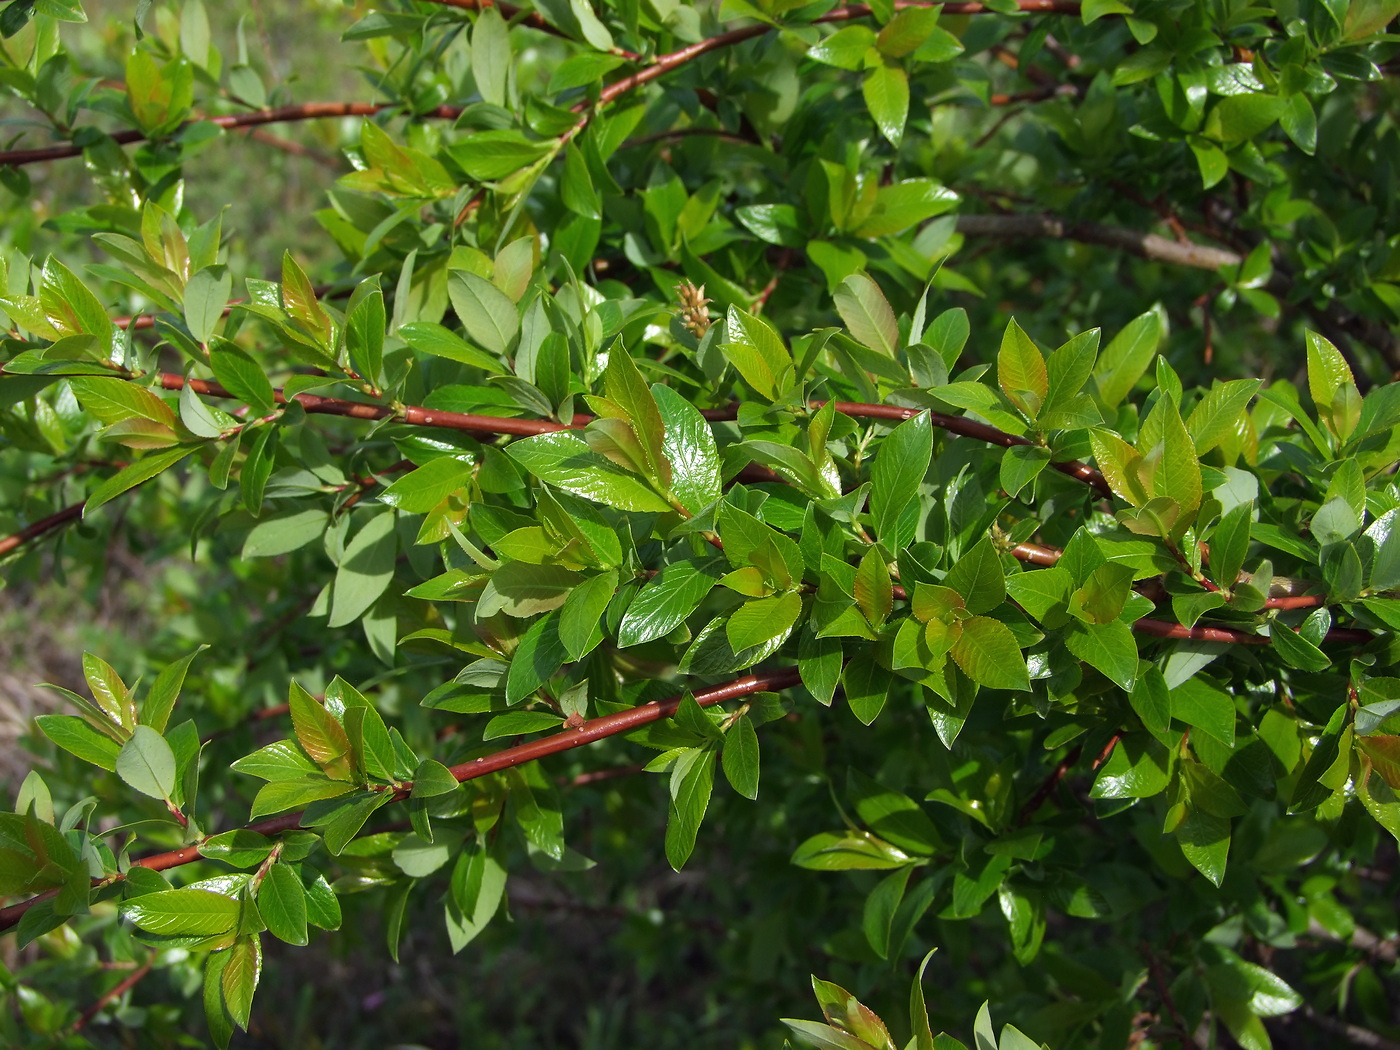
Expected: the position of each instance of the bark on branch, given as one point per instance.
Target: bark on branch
(590, 731)
(1144, 245)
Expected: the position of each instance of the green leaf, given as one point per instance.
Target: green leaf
(518, 723)
(762, 619)
(1205, 841)
(832, 851)
(1107, 647)
(365, 322)
(664, 602)
(892, 815)
(299, 300)
(1020, 465)
(987, 652)
(322, 905)
(539, 656)
(183, 912)
(886, 91)
(866, 313)
(216, 1015)
(422, 489)
(240, 978)
(241, 375)
(1200, 703)
(873, 589)
(75, 736)
(280, 760)
(366, 568)
(489, 155)
(206, 294)
(429, 338)
(898, 471)
(280, 795)
(692, 780)
(319, 734)
(906, 203)
(628, 396)
(487, 314)
(143, 470)
(1296, 650)
(147, 763)
(582, 609)
(1021, 371)
(757, 351)
(282, 904)
(490, 56)
(1127, 356)
(1219, 413)
(1139, 767)
(565, 460)
(979, 578)
(689, 447)
(845, 49)
(69, 306)
(1332, 387)
(284, 533)
(907, 31)
(879, 911)
(740, 756)
(1178, 474)
(432, 779)
(1239, 117)
(241, 848)
(918, 1011)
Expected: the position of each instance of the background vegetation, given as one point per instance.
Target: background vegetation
(1075, 664)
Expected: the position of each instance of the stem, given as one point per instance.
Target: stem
(567, 740)
(40, 527)
(659, 67)
(116, 992)
(275, 115)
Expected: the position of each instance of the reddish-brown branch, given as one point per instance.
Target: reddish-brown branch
(658, 68)
(296, 149)
(596, 775)
(418, 416)
(40, 527)
(116, 992)
(622, 722)
(1035, 554)
(1048, 785)
(971, 428)
(254, 118)
(149, 320)
(596, 729)
(1163, 629)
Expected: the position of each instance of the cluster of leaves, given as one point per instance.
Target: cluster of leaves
(1104, 636)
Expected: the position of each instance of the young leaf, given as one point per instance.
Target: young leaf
(898, 471)
(740, 757)
(867, 314)
(147, 763)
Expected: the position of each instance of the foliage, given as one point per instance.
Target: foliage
(665, 397)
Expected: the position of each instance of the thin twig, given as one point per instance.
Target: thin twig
(1048, 785)
(590, 731)
(116, 992)
(274, 115)
(1353, 1034)
(1145, 245)
(40, 528)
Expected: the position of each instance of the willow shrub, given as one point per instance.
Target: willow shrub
(665, 397)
